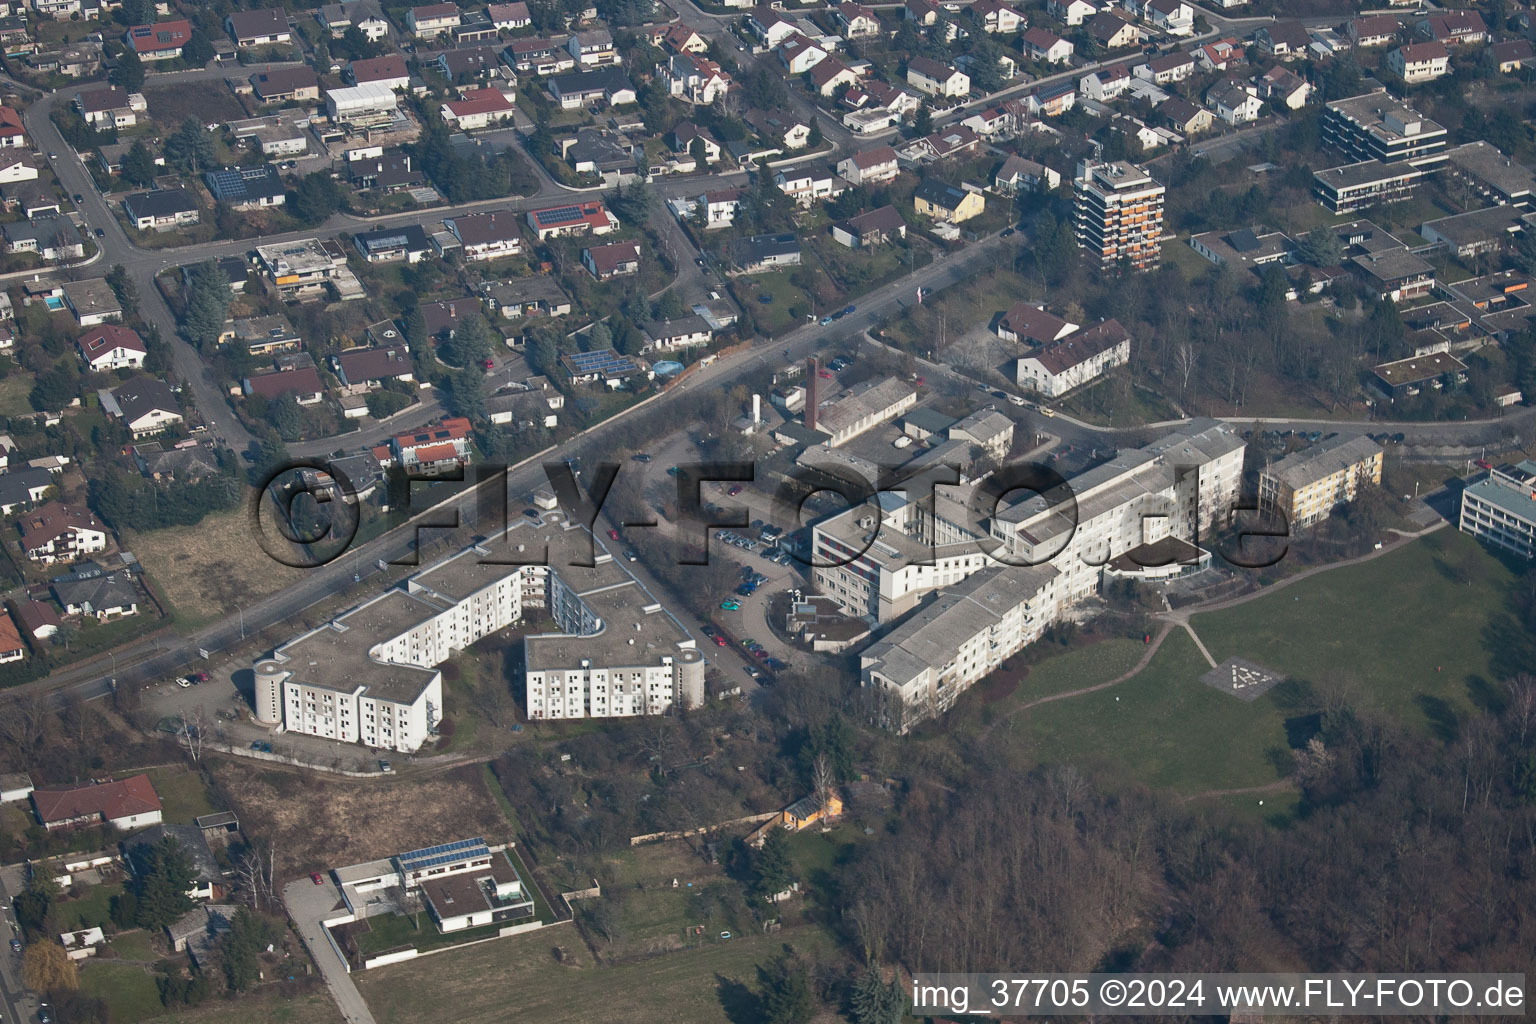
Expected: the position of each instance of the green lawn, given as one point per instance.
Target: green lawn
(90, 908)
(1163, 728)
(128, 991)
(1079, 667)
(1421, 632)
(182, 794)
(14, 388)
(135, 945)
(787, 306)
(520, 978)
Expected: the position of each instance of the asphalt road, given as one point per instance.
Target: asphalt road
(308, 904)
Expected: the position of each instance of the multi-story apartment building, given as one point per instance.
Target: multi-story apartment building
(1305, 486)
(1501, 508)
(1375, 126)
(1037, 557)
(371, 676)
(1118, 213)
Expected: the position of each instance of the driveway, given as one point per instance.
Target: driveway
(308, 904)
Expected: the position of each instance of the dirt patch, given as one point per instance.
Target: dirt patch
(317, 822)
(171, 105)
(212, 568)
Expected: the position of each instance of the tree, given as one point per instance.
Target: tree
(771, 868)
(207, 305)
(139, 165)
(197, 50)
(125, 290)
(599, 337)
(1320, 247)
(466, 393)
(922, 121)
(240, 956)
(873, 1001)
(470, 344)
(162, 874)
(45, 967)
(786, 996)
(315, 198)
(130, 71)
(190, 149)
(815, 138)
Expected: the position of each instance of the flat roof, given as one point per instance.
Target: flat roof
(1324, 459)
(338, 655)
(1411, 371)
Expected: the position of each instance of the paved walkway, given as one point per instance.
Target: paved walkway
(308, 904)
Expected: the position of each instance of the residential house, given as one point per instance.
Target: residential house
(870, 229)
(678, 38)
(761, 253)
(392, 172)
(1052, 100)
(1511, 56)
(11, 649)
(365, 369)
(538, 295)
(162, 41)
(855, 21)
(125, 804)
(720, 207)
(587, 216)
(780, 127)
(55, 532)
(1175, 17)
(145, 405)
(997, 17)
(798, 54)
(936, 79)
(1283, 86)
(258, 28)
(473, 27)
(161, 209)
(98, 595)
(1453, 28)
(248, 187)
(603, 365)
(830, 75)
(478, 108)
(1373, 30)
(870, 166)
(1071, 12)
(1070, 362)
(537, 57)
(1045, 46)
(511, 16)
(1019, 175)
(262, 336)
(12, 134)
(38, 620)
(208, 881)
(683, 332)
(486, 236)
(593, 49)
(1306, 486)
(23, 488)
(303, 384)
(406, 243)
(1032, 325)
(686, 137)
(53, 237)
(286, 85)
(432, 20)
(1234, 102)
(111, 347)
(1167, 69)
(388, 71)
(616, 259)
(807, 185)
(1112, 29)
(469, 63)
(768, 26)
(1420, 62)
(586, 88)
(698, 80)
(1184, 117)
(434, 450)
(1285, 40)
(92, 301)
(1105, 84)
(946, 203)
(109, 107)
(1218, 55)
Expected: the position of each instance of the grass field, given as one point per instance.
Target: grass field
(208, 570)
(363, 819)
(90, 908)
(1421, 632)
(519, 978)
(130, 993)
(135, 945)
(1083, 666)
(653, 916)
(182, 794)
(14, 389)
(1163, 728)
(129, 990)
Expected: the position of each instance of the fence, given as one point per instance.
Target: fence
(659, 837)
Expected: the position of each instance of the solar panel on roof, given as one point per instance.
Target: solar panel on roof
(442, 854)
(562, 213)
(605, 361)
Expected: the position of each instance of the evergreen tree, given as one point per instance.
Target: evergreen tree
(875, 1002)
(466, 393)
(162, 874)
(125, 290)
(129, 74)
(315, 198)
(241, 952)
(786, 996)
(207, 305)
(197, 50)
(139, 165)
(470, 344)
(815, 139)
(922, 121)
(190, 149)
(1320, 247)
(771, 868)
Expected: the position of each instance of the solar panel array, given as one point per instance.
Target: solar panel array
(228, 183)
(445, 853)
(559, 214)
(601, 362)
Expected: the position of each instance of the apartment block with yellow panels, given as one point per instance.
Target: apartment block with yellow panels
(1306, 486)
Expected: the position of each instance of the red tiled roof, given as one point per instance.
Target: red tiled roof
(437, 452)
(164, 35)
(479, 101)
(10, 636)
(304, 381)
(111, 800)
(101, 340)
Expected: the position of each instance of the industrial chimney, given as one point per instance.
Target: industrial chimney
(812, 400)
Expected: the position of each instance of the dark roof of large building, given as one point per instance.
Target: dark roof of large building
(161, 202)
(192, 842)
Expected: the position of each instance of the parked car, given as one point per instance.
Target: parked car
(826, 320)
(386, 768)
(735, 490)
(730, 605)
(613, 534)
(314, 876)
(719, 640)
(531, 513)
(15, 945)
(630, 555)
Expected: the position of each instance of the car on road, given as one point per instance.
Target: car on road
(531, 513)
(744, 590)
(776, 664)
(824, 374)
(79, 198)
(735, 490)
(44, 1014)
(386, 768)
(490, 364)
(850, 310)
(919, 381)
(15, 945)
(719, 640)
(730, 605)
(53, 156)
(671, 471)
(825, 321)
(699, 260)
(261, 746)
(1044, 411)
(613, 534)
(100, 233)
(641, 457)
(314, 876)
(183, 682)
(200, 677)
(630, 555)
